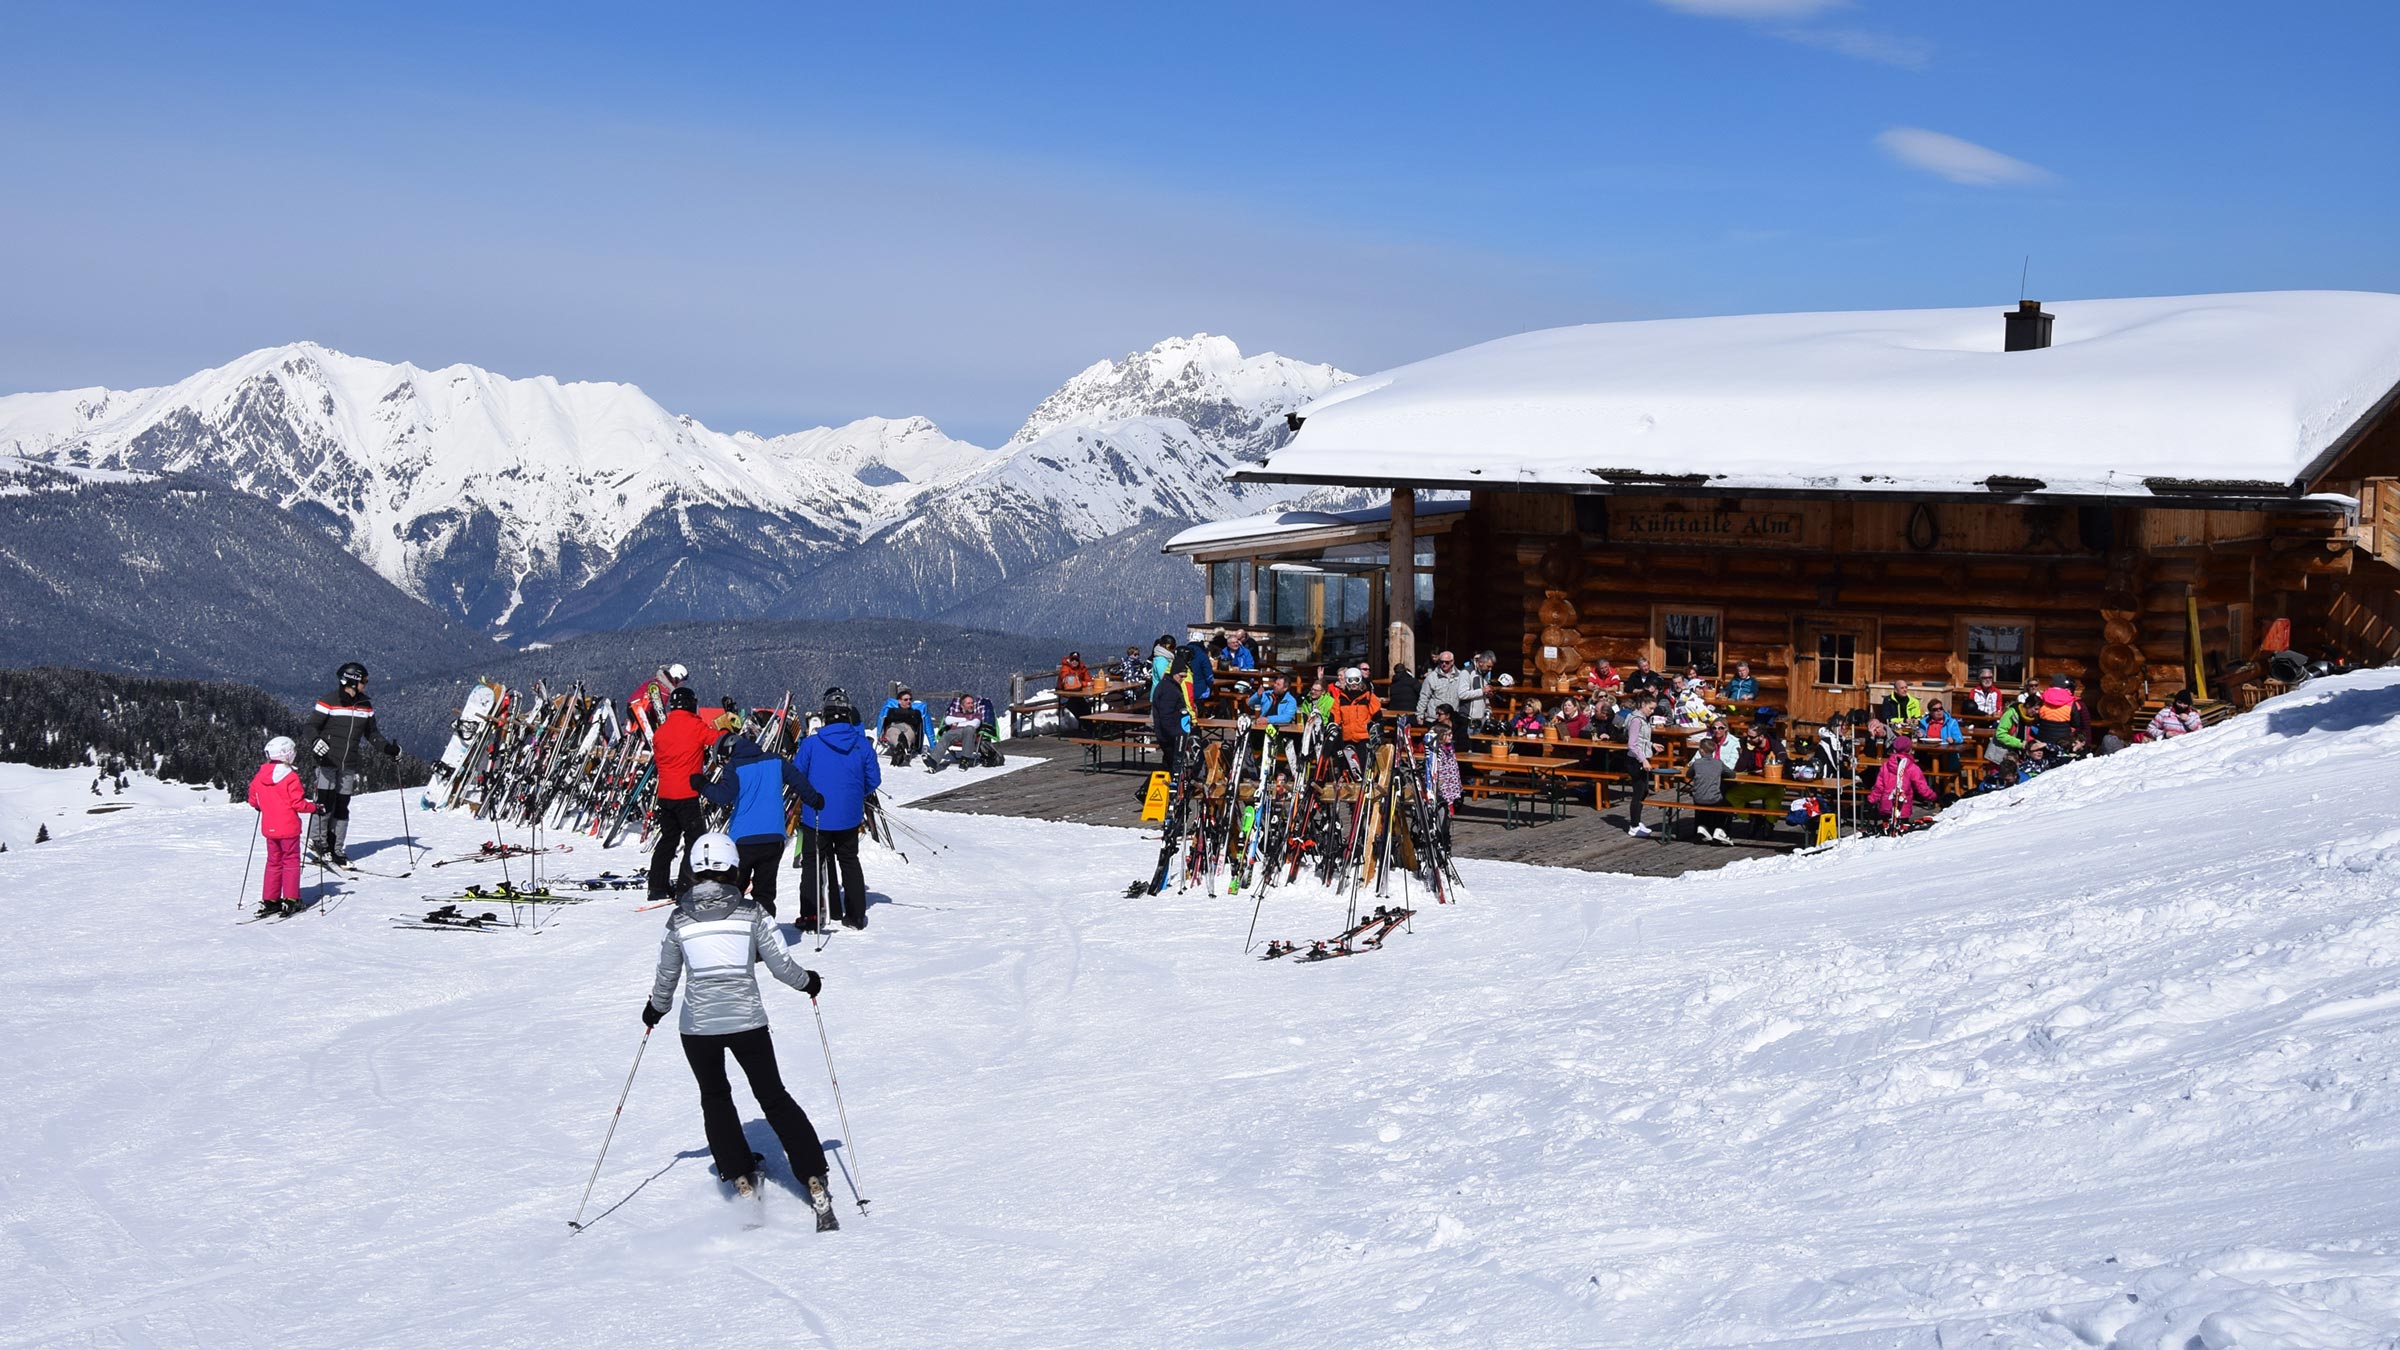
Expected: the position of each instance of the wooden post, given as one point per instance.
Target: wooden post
(1403, 574)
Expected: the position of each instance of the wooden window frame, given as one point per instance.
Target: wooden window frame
(1658, 636)
(1958, 644)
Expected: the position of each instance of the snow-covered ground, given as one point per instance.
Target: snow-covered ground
(2107, 1061)
(62, 799)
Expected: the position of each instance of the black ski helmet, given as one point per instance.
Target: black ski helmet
(684, 700)
(838, 707)
(352, 673)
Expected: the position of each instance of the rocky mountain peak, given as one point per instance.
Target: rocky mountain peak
(1203, 380)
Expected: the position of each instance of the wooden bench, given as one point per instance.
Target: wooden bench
(1141, 746)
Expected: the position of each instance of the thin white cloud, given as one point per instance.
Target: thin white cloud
(1756, 9)
(1890, 49)
(1960, 161)
(1794, 21)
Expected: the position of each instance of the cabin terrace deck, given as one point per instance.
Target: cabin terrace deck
(1059, 789)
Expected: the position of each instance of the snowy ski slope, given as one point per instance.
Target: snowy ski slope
(2106, 1061)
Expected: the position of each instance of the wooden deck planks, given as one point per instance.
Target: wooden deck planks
(1060, 790)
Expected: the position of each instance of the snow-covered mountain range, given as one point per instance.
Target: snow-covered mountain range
(531, 507)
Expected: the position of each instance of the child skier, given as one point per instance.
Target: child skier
(719, 936)
(280, 800)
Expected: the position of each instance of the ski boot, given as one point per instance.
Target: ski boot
(822, 1203)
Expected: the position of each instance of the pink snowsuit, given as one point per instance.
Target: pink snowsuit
(276, 793)
(1900, 780)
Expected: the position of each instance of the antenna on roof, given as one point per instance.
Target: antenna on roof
(2022, 273)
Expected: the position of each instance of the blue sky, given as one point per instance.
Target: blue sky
(781, 215)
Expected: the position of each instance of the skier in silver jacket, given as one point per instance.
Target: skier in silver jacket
(714, 939)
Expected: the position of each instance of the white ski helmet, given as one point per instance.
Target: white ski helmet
(674, 670)
(715, 853)
(282, 751)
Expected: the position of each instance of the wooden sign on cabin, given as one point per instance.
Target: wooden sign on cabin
(1676, 523)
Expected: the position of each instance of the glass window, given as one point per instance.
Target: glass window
(2000, 646)
(1837, 659)
(1291, 599)
(1688, 638)
(1228, 598)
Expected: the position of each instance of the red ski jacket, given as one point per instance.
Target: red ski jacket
(275, 790)
(681, 748)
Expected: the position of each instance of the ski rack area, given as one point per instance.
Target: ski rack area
(1253, 808)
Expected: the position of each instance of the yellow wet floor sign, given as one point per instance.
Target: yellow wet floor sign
(1154, 802)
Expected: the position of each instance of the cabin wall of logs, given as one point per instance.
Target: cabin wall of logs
(2109, 596)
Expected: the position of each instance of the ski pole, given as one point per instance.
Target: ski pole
(408, 836)
(849, 1145)
(576, 1223)
(247, 859)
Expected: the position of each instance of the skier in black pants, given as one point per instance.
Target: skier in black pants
(753, 784)
(839, 763)
(344, 720)
(1171, 708)
(716, 937)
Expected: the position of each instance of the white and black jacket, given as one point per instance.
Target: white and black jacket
(346, 723)
(713, 939)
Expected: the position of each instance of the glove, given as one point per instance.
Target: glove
(392, 748)
(320, 749)
(727, 703)
(814, 983)
(815, 800)
(651, 1013)
(699, 781)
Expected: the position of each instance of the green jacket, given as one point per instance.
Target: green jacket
(2010, 733)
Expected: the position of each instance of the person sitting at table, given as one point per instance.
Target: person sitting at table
(1404, 688)
(1901, 784)
(1602, 678)
(1528, 721)
(2178, 718)
(1743, 687)
(1704, 780)
(1572, 721)
(1238, 652)
(1318, 706)
(1693, 679)
(1355, 708)
(1218, 645)
(1644, 680)
(1757, 754)
(1942, 731)
(1692, 708)
(1273, 705)
(1133, 672)
(2015, 726)
(1900, 710)
(1074, 677)
(1987, 696)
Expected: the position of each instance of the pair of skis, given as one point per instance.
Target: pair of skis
(1365, 935)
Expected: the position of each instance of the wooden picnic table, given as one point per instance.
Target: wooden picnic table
(1122, 731)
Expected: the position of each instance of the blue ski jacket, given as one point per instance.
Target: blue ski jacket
(753, 784)
(1274, 711)
(841, 763)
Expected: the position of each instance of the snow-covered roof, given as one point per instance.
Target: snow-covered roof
(2135, 397)
(1294, 525)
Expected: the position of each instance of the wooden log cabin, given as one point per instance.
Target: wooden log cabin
(2132, 493)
